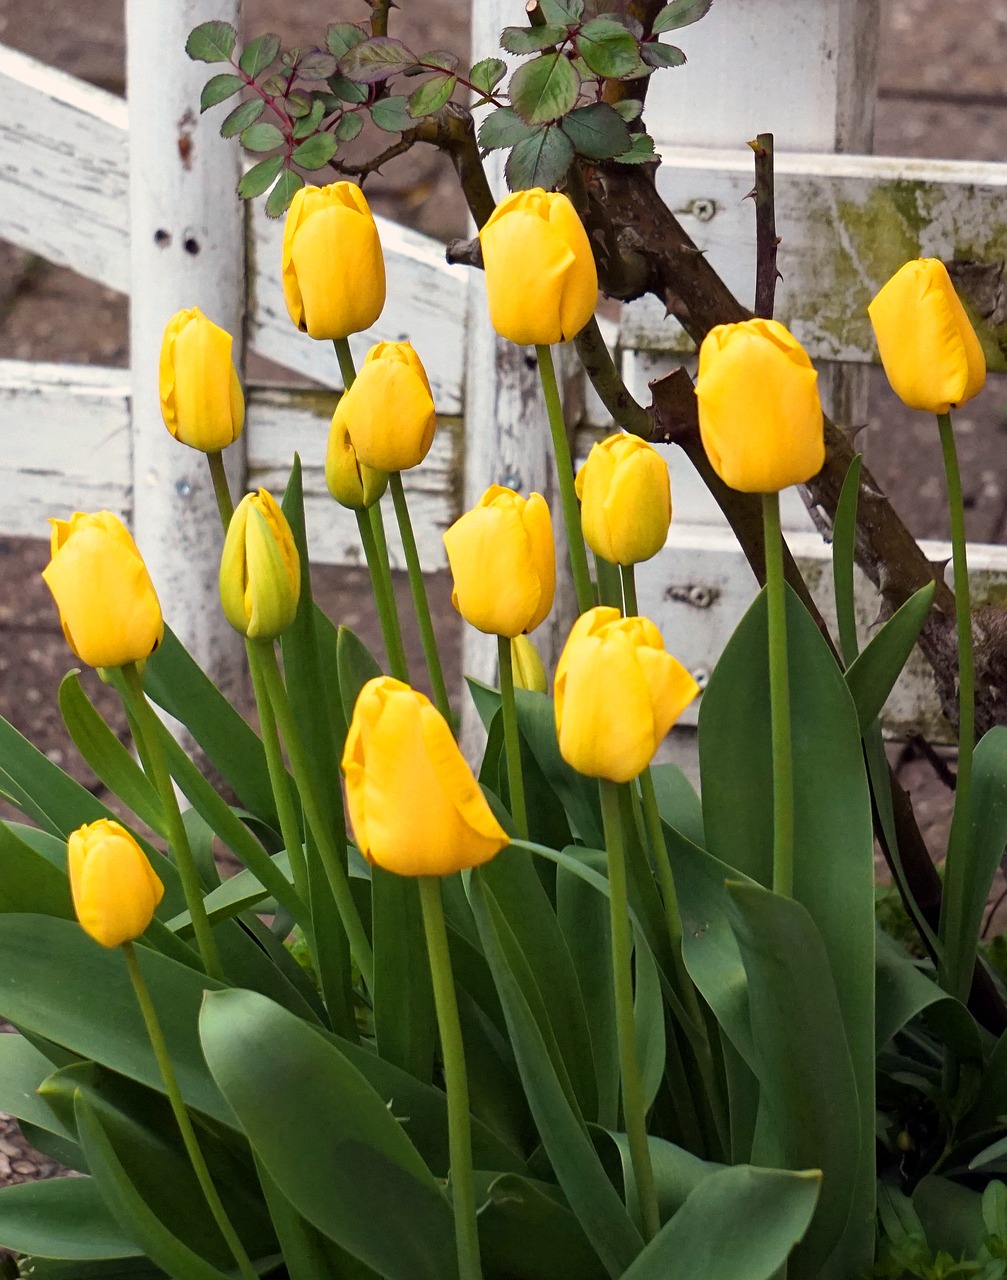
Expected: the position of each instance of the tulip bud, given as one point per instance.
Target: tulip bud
(201, 400)
(625, 497)
(115, 889)
(333, 271)
(503, 562)
(355, 486)
(928, 347)
(107, 604)
(541, 280)
(617, 694)
(260, 570)
(388, 413)
(760, 416)
(415, 806)
(529, 673)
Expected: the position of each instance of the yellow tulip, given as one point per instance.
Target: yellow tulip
(349, 482)
(115, 889)
(201, 400)
(107, 604)
(415, 806)
(625, 497)
(503, 562)
(760, 415)
(388, 413)
(529, 671)
(541, 280)
(617, 694)
(333, 271)
(928, 347)
(260, 570)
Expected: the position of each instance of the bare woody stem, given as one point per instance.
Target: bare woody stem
(766, 239)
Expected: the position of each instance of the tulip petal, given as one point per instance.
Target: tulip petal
(542, 546)
(335, 255)
(496, 588)
(526, 259)
(203, 392)
(115, 889)
(672, 688)
(389, 415)
(606, 723)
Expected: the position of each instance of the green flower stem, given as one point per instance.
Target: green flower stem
(345, 357)
(384, 594)
(634, 1113)
(564, 469)
(779, 696)
(163, 1058)
(957, 982)
(420, 602)
(333, 857)
(279, 779)
(178, 841)
(609, 591)
(512, 740)
(459, 1124)
(632, 607)
(221, 489)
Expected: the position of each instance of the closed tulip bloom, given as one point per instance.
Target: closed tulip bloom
(201, 400)
(617, 694)
(529, 671)
(625, 497)
(414, 803)
(260, 570)
(388, 413)
(115, 889)
(107, 604)
(333, 271)
(541, 280)
(503, 562)
(350, 483)
(928, 347)
(760, 415)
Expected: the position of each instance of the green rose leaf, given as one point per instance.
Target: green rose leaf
(211, 42)
(544, 89)
(609, 49)
(503, 128)
(241, 117)
(341, 37)
(680, 13)
(486, 75)
(640, 152)
(259, 177)
(562, 11)
(277, 85)
(539, 161)
(392, 114)
(348, 127)
(257, 56)
(309, 123)
(376, 59)
(656, 54)
(597, 132)
(299, 104)
(317, 150)
(261, 137)
(316, 65)
(432, 95)
(530, 39)
(442, 59)
(347, 90)
(217, 89)
(628, 108)
(278, 201)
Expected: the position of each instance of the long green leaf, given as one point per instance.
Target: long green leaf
(871, 677)
(61, 1218)
(904, 992)
(52, 797)
(844, 536)
(344, 1162)
(29, 881)
(22, 1071)
(526, 1230)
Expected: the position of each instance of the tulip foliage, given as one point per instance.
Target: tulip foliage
(557, 1015)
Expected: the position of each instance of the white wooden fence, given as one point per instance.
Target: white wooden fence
(142, 196)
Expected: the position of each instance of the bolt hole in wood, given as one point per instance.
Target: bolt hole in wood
(162, 238)
(191, 245)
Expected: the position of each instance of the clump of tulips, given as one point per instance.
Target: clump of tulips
(554, 1015)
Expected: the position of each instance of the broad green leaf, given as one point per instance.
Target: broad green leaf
(871, 676)
(311, 119)
(678, 802)
(641, 152)
(951, 1214)
(218, 89)
(738, 1224)
(810, 1117)
(261, 137)
(29, 881)
(102, 1269)
(526, 1230)
(503, 128)
(105, 754)
(677, 1172)
(628, 108)
(521, 40)
(345, 1162)
(62, 1218)
(256, 180)
(316, 152)
(609, 48)
(129, 1208)
(238, 893)
(22, 1071)
(545, 88)
(307, 1254)
(655, 53)
(995, 1209)
(347, 90)
(405, 1021)
(348, 126)
(597, 132)
(284, 190)
(577, 794)
(241, 117)
(991, 1101)
(904, 992)
(443, 59)
(392, 114)
(844, 536)
(44, 791)
(211, 42)
(648, 1007)
(375, 59)
(357, 665)
(258, 54)
(562, 11)
(680, 13)
(588, 1190)
(342, 36)
(487, 74)
(431, 95)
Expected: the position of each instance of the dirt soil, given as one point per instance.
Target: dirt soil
(941, 95)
